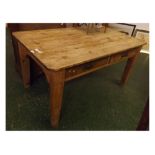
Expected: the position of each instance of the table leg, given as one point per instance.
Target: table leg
(56, 83)
(25, 65)
(16, 55)
(127, 70)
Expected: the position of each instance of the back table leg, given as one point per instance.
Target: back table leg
(25, 65)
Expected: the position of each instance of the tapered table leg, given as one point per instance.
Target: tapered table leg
(25, 65)
(56, 83)
(127, 70)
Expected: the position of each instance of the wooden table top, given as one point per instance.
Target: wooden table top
(65, 47)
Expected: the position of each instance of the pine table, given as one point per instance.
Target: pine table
(68, 53)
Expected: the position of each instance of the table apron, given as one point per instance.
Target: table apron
(88, 67)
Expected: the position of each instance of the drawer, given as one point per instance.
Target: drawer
(85, 68)
(123, 55)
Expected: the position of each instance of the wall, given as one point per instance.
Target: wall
(142, 26)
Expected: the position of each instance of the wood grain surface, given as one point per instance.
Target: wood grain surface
(63, 48)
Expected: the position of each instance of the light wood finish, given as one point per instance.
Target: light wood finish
(63, 48)
(82, 69)
(25, 65)
(56, 94)
(67, 54)
(14, 27)
(128, 67)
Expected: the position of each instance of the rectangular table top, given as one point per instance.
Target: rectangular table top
(65, 47)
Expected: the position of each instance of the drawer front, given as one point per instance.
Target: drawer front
(123, 55)
(85, 68)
